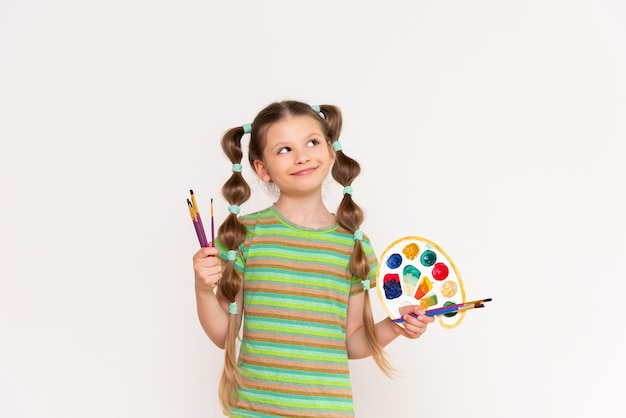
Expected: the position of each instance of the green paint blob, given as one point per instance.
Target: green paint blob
(410, 277)
(428, 258)
(449, 314)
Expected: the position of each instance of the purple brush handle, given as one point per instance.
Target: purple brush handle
(204, 243)
(198, 233)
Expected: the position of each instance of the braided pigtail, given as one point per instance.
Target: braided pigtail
(350, 216)
(232, 233)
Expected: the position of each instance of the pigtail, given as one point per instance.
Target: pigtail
(350, 216)
(232, 233)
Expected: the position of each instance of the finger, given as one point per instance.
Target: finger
(421, 315)
(206, 267)
(209, 277)
(410, 332)
(205, 252)
(426, 319)
(414, 325)
(417, 325)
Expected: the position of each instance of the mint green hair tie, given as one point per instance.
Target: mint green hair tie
(347, 190)
(231, 255)
(316, 108)
(232, 308)
(337, 146)
(358, 234)
(247, 128)
(366, 285)
(236, 168)
(234, 209)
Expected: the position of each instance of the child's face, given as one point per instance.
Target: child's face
(296, 156)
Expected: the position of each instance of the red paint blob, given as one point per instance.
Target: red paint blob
(391, 277)
(440, 271)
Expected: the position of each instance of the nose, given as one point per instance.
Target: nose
(302, 157)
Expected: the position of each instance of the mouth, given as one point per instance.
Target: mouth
(304, 171)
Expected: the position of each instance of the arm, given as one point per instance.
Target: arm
(211, 305)
(386, 330)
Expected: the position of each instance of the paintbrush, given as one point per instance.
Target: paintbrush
(197, 220)
(451, 308)
(212, 225)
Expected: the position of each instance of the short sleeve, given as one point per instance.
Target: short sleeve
(239, 259)
(357, 285)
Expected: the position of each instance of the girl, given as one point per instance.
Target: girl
(300, 273)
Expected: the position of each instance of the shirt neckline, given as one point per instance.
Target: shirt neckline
(295, 226)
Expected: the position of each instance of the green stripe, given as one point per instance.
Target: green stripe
(326, 334)
(297, 403)
(280, 351)
(299, 377)
(323, 281)
(312, 303)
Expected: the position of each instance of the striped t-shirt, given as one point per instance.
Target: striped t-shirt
(293, 359)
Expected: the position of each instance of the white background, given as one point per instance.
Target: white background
(494, 128)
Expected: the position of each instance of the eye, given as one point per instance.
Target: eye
(284, 150)
(313, 142)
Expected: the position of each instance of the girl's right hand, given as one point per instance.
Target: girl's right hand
(207, 268)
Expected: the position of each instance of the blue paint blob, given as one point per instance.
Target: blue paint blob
(391, 286)
(394, 261)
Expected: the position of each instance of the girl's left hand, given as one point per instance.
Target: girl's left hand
(415, 327)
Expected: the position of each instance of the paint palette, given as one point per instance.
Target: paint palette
(416, 271)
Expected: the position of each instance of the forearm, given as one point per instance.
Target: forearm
(386, 332)
(213, 316)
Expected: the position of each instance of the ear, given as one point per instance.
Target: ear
(261, 171)
(331, 152)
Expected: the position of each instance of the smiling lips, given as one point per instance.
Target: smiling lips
(305, 171)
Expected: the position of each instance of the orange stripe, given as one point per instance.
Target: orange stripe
(295, 316)
(293, 365)
(330, 294)
(294, 340)
(281, 412)
(294, 390)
